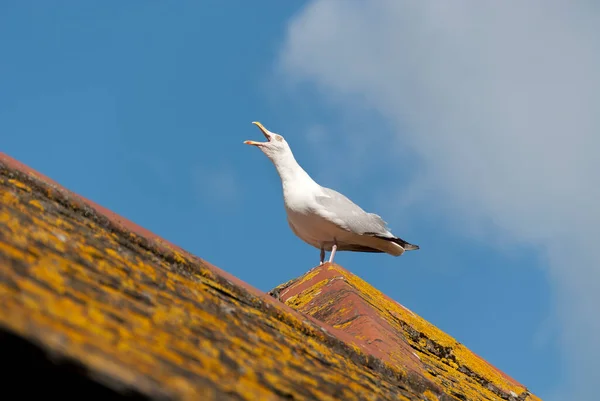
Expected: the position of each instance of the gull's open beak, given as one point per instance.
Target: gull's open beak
(265, 133)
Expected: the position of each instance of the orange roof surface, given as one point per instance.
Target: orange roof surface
(140, 316)
(388, 330)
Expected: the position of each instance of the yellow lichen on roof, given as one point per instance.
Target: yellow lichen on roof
(444, 360)
(163, 323)
(457, 353)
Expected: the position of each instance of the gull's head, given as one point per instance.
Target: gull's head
(275, 147)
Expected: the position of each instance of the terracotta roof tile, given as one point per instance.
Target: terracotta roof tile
(140, 314)
(393, 333)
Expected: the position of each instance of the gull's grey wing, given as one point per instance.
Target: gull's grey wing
(341, 211)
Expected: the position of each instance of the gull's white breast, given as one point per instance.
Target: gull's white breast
(311, 227)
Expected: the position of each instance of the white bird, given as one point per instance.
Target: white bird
(322, 217)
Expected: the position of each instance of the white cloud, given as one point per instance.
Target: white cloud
(215, 184)
(317, 137)
(501, 103)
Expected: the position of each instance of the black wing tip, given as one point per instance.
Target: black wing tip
(411, 247)
(406, 245)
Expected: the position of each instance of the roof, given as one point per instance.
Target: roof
(387, 329)
(90, 296)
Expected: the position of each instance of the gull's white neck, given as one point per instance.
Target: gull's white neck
(290, 172)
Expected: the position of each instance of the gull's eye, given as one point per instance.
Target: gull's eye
(279, 138)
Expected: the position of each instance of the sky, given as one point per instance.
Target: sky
(471, 128)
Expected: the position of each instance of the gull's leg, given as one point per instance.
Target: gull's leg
(322, 255)
(333, 249)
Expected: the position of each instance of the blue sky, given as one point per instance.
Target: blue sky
(142, 106)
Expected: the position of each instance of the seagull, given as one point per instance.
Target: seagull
(322, 217)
